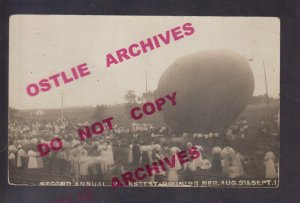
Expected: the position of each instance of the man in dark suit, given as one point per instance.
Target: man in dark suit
(136, 154)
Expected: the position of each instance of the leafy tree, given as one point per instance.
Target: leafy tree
(130, 97)
(100, 112)
(262, 99)
(148, 96)
(13, 113)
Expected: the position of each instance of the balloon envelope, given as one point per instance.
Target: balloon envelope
(212, 87)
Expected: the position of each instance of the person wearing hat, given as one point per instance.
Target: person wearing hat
(108, 158)
(145, 159)
(205, 165)
(136, 154)
(237, 169)
(32, 161)
(270, 166)
(83, 165)
(21, 157)
(155, 157)
(172, 174)
(189, 145)
(11, 160)
(116, 147)
(94, 168)
(61, 158)
(216, 166)
(75, 153)
(227, 154)
(198, 161)
(32, 154)
(40, 162)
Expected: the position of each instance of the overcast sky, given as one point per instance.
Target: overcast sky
(42, 45)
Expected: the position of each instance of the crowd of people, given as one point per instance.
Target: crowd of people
(122, 149)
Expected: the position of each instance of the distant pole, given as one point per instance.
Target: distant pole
(268, 108)
(267, 93)
(146, 83)
(62, 103)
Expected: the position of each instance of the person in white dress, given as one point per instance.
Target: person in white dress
(84, 162)
(185, 165)
(172, 174)
(270, 166)
(149, 152)
(173, 151)
(32, 162)
(227, 154)
(237, 169)
(205, 163)
(21, 156)
(198, 161)
(108, 160)
(33, 154)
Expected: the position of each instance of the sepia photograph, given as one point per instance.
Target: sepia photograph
(144, 101)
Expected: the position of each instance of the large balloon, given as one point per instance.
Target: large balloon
(212, 87)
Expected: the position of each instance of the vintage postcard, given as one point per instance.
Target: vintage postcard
(144, 101)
